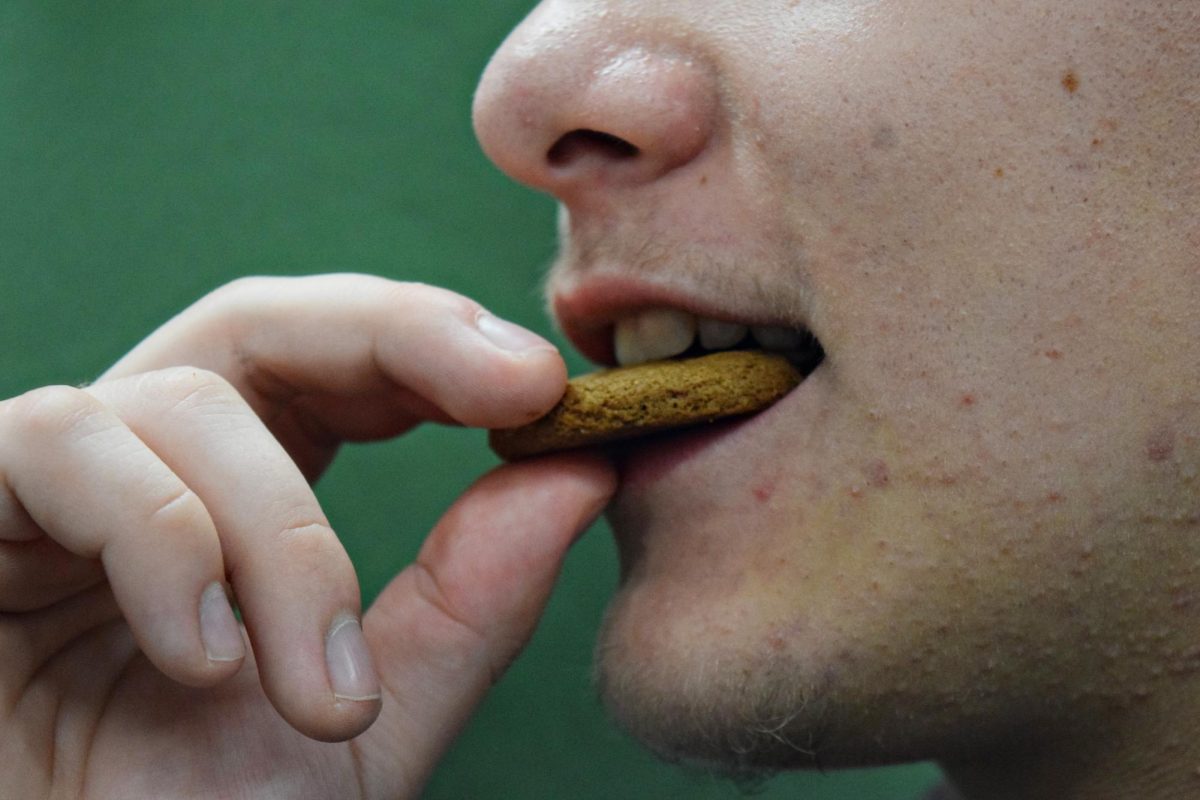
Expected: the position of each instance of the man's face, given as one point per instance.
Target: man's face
(964, 521)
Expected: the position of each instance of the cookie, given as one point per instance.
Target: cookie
(627, 402)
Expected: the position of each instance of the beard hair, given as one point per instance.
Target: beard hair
(734, 720)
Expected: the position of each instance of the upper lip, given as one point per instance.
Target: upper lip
(587, 311)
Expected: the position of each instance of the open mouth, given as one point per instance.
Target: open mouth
(661, 333)
(647, 397)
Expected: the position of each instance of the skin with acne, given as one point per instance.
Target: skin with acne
(970, 535)
(979, 500)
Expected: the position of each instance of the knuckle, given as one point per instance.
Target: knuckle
(430, 589)
(315, 538)
(437, 597)
(223, 311)
(50, 410)
(314, 545)
(178, 509)
(183, 386)
(430, 298)
(237, 290)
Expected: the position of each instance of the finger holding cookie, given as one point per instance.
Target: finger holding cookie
(344, 357)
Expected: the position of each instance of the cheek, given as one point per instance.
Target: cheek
(839, 586)
(875, 520)
(775, 545)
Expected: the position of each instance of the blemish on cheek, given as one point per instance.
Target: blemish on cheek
(1054, 354)
(1182, 598)
(999, 173)
(966, 400)
(884, 137)
(1070, 81)
(764, 491)
(1160, 445)
(877, 473)
(1185, 662)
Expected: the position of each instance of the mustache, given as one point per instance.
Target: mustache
(773, 280)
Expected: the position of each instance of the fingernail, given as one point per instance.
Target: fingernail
(351, 673)
(508, 336)
(219, 629)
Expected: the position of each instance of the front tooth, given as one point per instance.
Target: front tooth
(717, 334)
(777, 337)
(651, 335)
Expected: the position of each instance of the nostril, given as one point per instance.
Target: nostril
(583, 143)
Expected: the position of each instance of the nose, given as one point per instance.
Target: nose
(578, 103)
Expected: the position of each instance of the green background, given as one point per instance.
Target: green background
(151, 151)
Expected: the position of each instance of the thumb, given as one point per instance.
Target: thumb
(448, 626)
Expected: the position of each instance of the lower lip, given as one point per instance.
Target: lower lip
(647, 461)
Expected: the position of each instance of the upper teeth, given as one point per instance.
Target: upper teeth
(775, 337)
(718, 335)
(665, 332)
(654, 334)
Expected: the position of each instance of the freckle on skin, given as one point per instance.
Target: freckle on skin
(884, 137)
(967, 400)
(1070, 81)
(1181, 599)
(877, 474)
(1160, 445)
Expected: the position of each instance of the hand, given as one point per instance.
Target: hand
(129, 508)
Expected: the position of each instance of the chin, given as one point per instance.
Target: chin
(707, 675)
(711, 659)
(742, 710)
(702, 706)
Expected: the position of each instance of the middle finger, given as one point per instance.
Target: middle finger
(292, 578)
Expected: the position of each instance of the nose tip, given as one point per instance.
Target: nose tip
(576, 114)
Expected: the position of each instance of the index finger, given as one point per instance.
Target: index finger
(358, 356)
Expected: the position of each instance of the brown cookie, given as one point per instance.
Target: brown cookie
(626, 402)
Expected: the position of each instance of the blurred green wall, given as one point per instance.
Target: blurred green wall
(151, 151)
